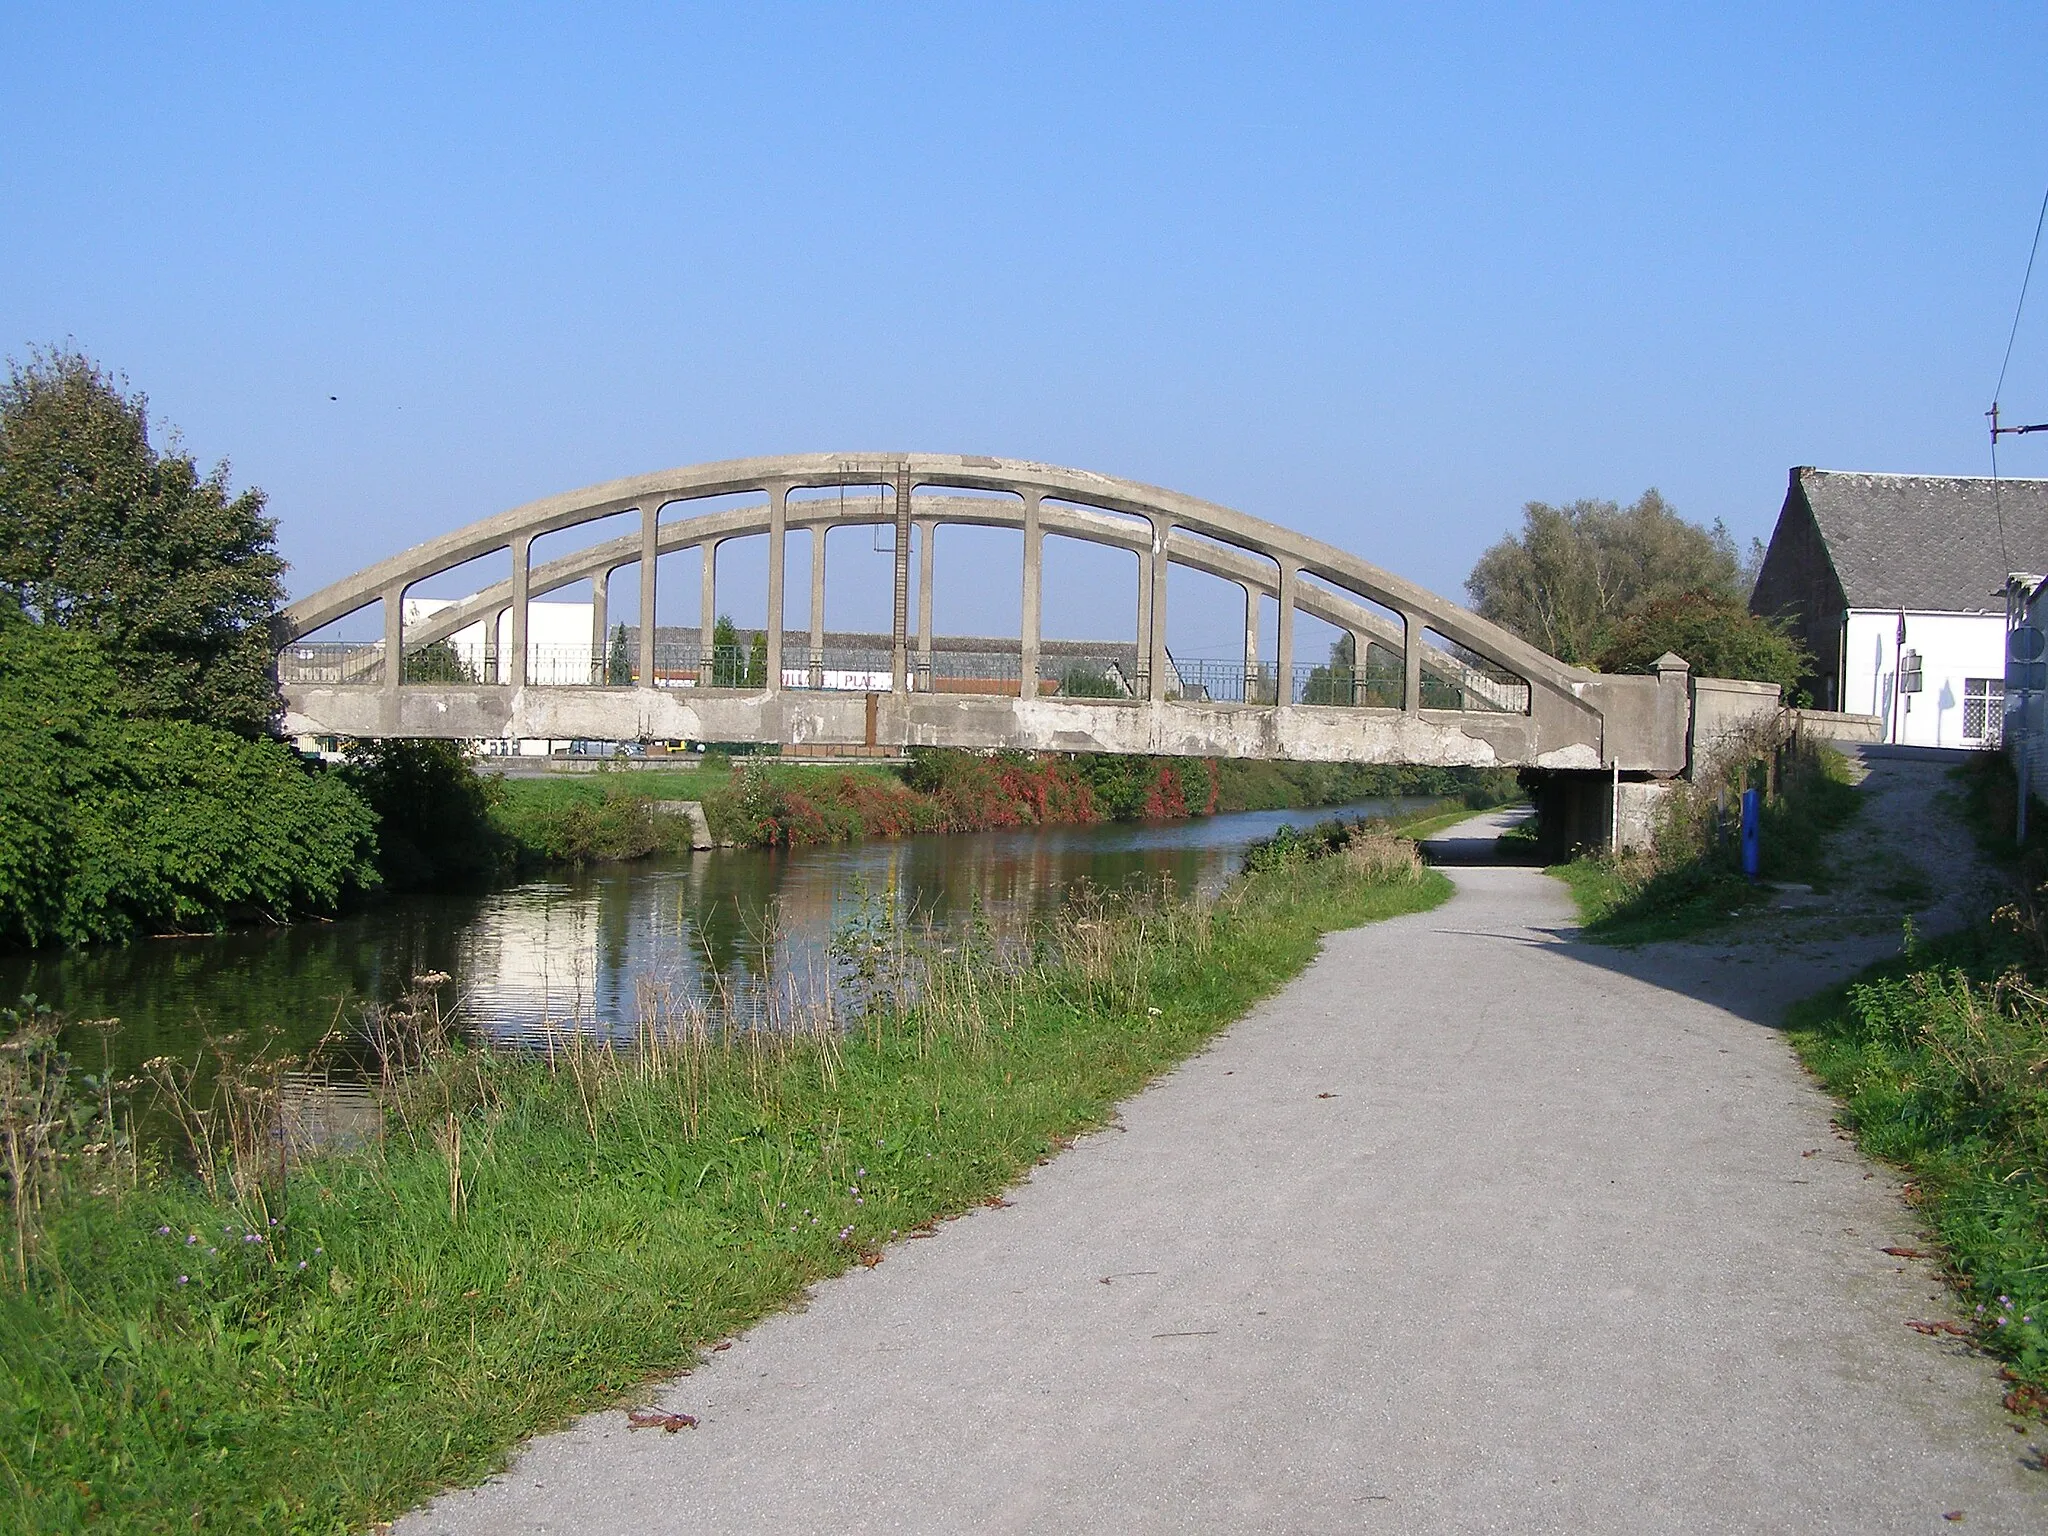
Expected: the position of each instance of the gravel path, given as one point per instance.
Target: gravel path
(1473, 1228)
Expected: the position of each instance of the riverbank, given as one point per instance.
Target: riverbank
(535, 1235)
(762, 802)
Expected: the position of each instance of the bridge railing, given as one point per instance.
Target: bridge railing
(1232, 682)
(332, 662)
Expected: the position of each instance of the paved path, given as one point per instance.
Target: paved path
(1474, 1228)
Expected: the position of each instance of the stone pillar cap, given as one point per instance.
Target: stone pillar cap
(1671, 661)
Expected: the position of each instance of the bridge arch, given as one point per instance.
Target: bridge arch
(1522, 705)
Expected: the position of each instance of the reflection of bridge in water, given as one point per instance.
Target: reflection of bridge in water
(1425, 680)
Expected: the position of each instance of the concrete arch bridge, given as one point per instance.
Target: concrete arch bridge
(1429, 681)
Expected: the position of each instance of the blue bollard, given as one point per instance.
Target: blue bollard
(1752, 831)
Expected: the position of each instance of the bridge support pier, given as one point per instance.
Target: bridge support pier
(1579, 812)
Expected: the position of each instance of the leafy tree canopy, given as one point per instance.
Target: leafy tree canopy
(1717, 635)
(1574, 572)
(99, 532)
(110, 825)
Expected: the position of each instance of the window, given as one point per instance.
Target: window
(1983, 709)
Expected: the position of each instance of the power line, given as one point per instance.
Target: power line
(2018, 308)
(1998, 390)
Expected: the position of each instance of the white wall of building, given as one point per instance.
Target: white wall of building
(1962, 676)
(557, 639)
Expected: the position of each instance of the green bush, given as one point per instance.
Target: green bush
(112, 825)
(434, 826)
(1717, 636)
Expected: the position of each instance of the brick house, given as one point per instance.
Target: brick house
(1855, 556)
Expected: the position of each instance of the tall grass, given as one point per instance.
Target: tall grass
(531, 1235)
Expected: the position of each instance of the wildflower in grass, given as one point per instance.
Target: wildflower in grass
(302, 1263)
(192, 1239)
(184, 1279)
(163, 1231)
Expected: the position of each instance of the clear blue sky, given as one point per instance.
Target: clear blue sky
(1381, 273)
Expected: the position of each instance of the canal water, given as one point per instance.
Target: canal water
(582, 950)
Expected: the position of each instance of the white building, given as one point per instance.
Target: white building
(1896, 586)
(558, 648)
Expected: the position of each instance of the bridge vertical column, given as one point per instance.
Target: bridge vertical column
(1411, 664)
(650, 550)
(522, 559)
(1034, 573)
(1142, 684)
(1251, 642)
(927, 553)
(899, 626)
(394, 653)
(1283, 649)
(1361, 652)
(818, 531)
(600, 594)
(494, 645)
(707, 615)
(778, 530)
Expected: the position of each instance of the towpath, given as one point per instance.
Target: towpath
(1474, 1228)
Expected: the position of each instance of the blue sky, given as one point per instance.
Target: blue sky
(1380, 273)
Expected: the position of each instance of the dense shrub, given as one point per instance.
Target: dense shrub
(1717, 636)
(112, 825)
(434, 827)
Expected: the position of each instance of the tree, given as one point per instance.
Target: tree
(111, 825)
(1718, 636)
(438, 662)
(618, 666)
(178, 582)
(1576, 571)
(434, 827)
(728, 657)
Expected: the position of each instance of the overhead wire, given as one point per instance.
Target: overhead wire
(2012, 335)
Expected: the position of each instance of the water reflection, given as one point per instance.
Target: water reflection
(576, 950)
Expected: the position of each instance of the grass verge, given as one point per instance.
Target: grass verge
(312, 1349)
(1691, 880)
(1940, 1061)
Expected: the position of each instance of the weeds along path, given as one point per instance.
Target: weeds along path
(1472, 1228)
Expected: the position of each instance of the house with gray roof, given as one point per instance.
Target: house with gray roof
(1896, 584)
